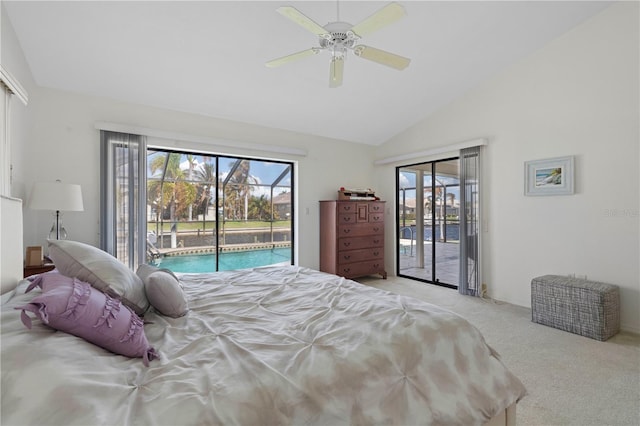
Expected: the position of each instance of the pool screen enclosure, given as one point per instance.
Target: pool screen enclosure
(184, 203)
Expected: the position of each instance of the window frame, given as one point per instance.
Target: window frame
(109, 226)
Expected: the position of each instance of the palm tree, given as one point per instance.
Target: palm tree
(191, 160)
(206, 174)
(237, 189)
(169, 166)
(171, 190)
(260, 208)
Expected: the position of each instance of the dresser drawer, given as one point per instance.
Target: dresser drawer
(376, 217)
(354, 243)
(351, 256)
(360, 229)
(347, 207)
(358, 269)
(376, 208)
(346, 219)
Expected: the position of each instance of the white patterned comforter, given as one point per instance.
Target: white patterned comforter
(267, 346)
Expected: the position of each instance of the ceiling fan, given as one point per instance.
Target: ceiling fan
(339, 37)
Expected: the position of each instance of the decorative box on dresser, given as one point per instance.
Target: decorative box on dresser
(352, 238)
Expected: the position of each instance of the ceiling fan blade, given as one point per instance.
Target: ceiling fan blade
(293, 57)
(335, 72)
(382, 57)
(301, 19)
(383, 17)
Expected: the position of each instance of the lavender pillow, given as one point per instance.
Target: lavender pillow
(75, 307)
(47, 281)
(101, 270)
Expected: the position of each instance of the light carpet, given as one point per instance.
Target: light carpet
(570, 379)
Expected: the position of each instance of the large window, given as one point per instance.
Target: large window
(201, 212)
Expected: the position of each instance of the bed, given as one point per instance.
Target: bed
(263, 346)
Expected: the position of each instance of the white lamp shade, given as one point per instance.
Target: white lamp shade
(56, 196)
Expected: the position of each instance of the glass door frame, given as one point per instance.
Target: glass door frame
(419, 210)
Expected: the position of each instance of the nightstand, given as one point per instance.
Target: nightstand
(39, 269)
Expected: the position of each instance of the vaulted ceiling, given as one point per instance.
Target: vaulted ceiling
(208, 57)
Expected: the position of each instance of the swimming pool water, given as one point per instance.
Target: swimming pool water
(228, 260)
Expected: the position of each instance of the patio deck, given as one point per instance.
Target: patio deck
(447, 262)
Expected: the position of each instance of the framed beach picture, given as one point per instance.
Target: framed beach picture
(552, 176)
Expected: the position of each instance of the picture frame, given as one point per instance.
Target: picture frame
(34, 256)
(551, 176)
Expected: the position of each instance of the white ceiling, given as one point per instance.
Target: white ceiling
(207, 57)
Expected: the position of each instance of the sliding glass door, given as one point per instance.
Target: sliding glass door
(194, 212)
(210, 213)
(428, 216)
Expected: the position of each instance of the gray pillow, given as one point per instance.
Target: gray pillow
(165, 294)
(145, 270)
(101, 270)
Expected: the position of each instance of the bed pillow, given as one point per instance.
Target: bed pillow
(144, 270)
(166, 294)
(164, 291)
(101, 270)
(75, 307)
(47, 281)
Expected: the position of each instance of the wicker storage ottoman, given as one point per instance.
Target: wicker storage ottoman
(588, 308)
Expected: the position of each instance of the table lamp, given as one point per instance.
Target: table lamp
(56, 196)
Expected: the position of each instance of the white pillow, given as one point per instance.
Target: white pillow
(101, 270)
(165, 293)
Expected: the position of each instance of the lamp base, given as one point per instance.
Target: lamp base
(57, 231)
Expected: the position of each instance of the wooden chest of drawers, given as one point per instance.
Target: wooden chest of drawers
(352, 238)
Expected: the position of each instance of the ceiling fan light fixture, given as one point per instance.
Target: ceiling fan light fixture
(336, 71)
(339, 37)
(382, 57)
(294, 56)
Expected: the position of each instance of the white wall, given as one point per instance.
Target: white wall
(14, 62)
(576, 96)
(55, 138)
(65, 146)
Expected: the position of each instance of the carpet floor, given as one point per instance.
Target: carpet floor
(570, 379)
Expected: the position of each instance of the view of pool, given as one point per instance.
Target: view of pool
(228, 260)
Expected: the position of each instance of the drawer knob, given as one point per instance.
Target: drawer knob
(347, 257)
(376, 229)
(376, 241)
(347, 243)
(347, 219)
(346, 231)
(375, 253)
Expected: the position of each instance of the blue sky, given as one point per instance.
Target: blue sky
(408, 180)
(264, 172)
